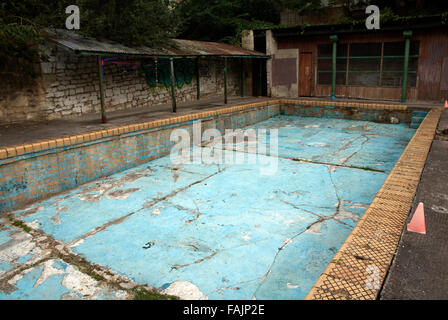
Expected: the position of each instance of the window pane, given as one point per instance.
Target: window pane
(340, 78)
(392, 79)
(393, 64)
(364, 71)
(412, 80)
(324, 50)
(394, 48)
(365, 49)
(414, 50)
(413, 64)
(324, 78)
(324, 64)
(395, 79)
(364, 79)
(365, 64)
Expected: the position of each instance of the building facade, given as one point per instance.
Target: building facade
(407, 62)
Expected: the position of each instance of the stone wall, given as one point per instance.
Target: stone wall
(68, 87)
(21, 98)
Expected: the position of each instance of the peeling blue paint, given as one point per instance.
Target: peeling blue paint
(230, 231)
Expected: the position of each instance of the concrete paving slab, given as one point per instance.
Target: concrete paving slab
(419, 270)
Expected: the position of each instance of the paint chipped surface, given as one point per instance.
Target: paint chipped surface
(228, 232)
(185, 290)
(33, 275)
(54, 279)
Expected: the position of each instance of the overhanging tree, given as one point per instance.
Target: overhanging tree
(131, 22)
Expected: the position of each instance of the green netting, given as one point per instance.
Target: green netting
(184, 70)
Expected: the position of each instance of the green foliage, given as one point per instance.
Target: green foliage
(302, 6)
(21, 225)
(132, 22)
(224, 20)
(141, 293)
(387, 14)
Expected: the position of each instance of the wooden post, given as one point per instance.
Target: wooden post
(242, 77)
(260, 76)
(100, 75)
(225, 80)
(173, 93)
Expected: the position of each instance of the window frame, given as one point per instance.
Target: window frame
(381, 71)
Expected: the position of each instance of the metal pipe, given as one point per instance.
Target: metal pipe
(407, 36)
(334, 39)
(101, 79)
(173, 93)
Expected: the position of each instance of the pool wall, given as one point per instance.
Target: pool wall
(43, 169)
(33, 172)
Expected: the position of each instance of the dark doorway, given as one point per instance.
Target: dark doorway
(260, 86)
(259, 76)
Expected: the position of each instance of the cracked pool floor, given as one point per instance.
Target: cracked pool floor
(221, 231)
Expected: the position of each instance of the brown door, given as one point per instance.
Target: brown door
(305, 67)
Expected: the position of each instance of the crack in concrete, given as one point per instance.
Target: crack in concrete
(285, 243)
(176, 267)
(235, 286)
(367, 140)
(332, 217)
(311, 161)
(339, 210)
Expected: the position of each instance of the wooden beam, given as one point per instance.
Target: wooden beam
(242, 77)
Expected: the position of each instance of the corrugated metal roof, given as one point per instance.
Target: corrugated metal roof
(178, 47)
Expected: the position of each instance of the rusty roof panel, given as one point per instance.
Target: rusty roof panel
(177, 47)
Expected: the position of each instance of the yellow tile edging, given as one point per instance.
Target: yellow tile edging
(12, 151)
(358, 269)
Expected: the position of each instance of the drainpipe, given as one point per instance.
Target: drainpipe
(173, 93)
(334, 39)
(407, 36)
(101, 78)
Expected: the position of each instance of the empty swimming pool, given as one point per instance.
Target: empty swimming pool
(228, 231)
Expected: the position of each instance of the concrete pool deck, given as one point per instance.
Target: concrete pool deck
(419, 271)
(177, 229)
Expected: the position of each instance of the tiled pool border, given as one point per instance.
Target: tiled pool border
(358, 269)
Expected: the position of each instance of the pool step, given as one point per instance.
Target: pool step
(417, 118)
